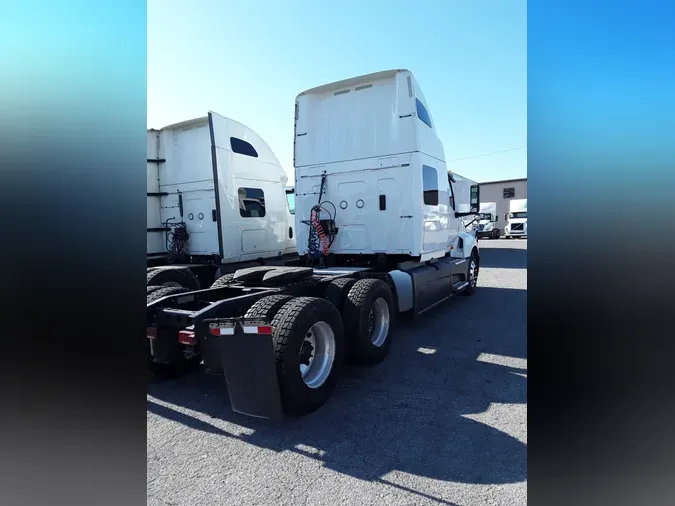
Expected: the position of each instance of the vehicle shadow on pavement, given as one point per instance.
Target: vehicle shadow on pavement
(503, 258)
(407, 414)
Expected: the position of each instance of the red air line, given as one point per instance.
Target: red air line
(319, 230)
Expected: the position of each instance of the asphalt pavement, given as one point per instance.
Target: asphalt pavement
(443, 420)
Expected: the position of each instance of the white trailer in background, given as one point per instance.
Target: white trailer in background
(487, 220)
(217, 198)
(379, 232)
(516, 219)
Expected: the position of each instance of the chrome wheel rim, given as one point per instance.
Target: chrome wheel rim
(378, 322)
(473, 273)
(317, 354)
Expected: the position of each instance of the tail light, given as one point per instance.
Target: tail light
(187, 337)
(260, 329)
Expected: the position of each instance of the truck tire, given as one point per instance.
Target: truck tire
(471, 276)
(337, 290)
(309, 347)
(165, 291)
(495, 233)
(369, 320)
(223, 281)
(174, 369)
(152, 288)
(173, 277)
(267, 307)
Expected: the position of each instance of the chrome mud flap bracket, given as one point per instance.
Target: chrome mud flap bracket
(242, 350)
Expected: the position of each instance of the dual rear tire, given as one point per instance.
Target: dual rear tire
(309, 347)
(313, 336)
(174, 277)
(368, 313)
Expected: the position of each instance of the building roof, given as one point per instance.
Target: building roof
(505, 181)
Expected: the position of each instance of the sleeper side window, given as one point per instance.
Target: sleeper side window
(422, 113)
(242, 147)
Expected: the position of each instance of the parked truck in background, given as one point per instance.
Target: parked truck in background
(486, 225)
(516, 219)
(217, 200)
(379, 232)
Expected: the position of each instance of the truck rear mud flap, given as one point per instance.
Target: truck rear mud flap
(242, 350)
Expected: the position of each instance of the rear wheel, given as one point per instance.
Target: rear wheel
(223, 281)
(309, 347)
(172, 277)
(337, 290)
(165, 291)
(369, 316)
(173, 369)
(267, 307)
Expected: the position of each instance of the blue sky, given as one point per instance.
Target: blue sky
(248, 59)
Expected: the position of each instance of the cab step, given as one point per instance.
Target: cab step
(458, 287)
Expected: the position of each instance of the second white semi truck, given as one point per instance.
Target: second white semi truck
(516, 219)
(378, 230)
(217, 200)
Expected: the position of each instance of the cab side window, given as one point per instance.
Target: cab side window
(430, 185)
(290, 197)
(251, 203)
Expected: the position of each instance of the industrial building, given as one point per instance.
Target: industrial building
(502, 192)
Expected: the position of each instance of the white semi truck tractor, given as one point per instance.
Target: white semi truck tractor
(516, 219)
(486, 225)
(378, 233)
(217, 201)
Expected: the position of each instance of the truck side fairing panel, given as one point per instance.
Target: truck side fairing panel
(469, 242)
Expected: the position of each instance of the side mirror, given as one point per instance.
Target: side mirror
(474, 204)
(475, 198)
